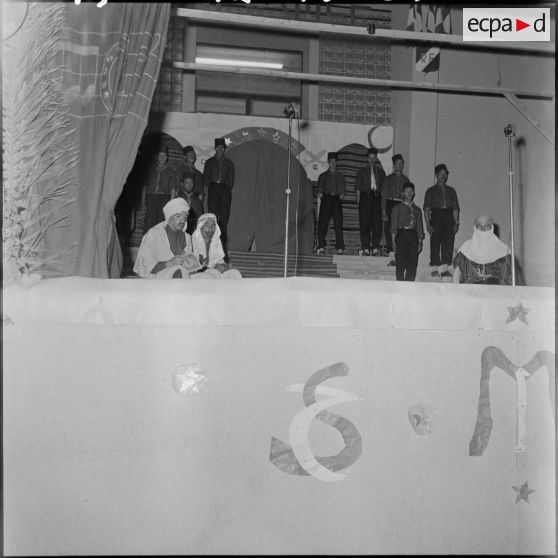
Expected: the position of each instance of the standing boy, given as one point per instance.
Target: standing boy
(218, 178)
(392, 194)
(368, 185)
(407, 235)
(441, 214)
(331, 191)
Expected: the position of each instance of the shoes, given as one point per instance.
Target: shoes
(366, 252)
(391, 263)
(320, 251)
(446, 274)
(375, 251)
(435, 274)
(361, 252)
(340, 251)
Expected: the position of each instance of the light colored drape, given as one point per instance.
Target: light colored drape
(111, 56)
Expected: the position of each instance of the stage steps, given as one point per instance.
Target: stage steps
(376, 267)
(263, 264)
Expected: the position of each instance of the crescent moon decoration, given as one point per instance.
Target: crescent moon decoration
(372, 144)
(14, 18)
(298, 458)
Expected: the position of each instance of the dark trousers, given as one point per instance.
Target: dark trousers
(219, 199)
(154, 204)
(442, 237)
(330, 206)
(390, 204)
(370, 217)
(406, 254)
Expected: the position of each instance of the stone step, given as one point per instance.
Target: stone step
(377, 268)
(371, 276)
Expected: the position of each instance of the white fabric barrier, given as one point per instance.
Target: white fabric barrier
(103, 454)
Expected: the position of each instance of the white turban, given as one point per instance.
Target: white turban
(176, 205)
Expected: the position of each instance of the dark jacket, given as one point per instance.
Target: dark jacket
(213, 169)
(363, 178)
(196, 209)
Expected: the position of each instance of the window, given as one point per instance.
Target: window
(242, 93)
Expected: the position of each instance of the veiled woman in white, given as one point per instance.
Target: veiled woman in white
(206, 245)
(484, 259)
(166, 250)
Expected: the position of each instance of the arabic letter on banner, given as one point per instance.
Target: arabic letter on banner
(297, 457)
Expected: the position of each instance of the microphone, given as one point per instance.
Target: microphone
(509, 130)
(289, 111)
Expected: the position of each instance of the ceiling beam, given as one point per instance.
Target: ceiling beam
(457, 40)
(271, 23)
(371, 32)
(370, 82)
(536, 122)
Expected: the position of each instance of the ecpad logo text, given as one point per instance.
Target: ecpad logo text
(506, 24)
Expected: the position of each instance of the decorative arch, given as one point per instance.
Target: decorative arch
(259, 133)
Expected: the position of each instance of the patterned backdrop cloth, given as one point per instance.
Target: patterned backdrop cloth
(111, 58)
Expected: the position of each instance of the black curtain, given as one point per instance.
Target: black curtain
(259, 200)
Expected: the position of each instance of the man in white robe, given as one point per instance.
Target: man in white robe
(207, 247)
(166, 250)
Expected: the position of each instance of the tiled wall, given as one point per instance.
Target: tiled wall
(169, 90)
(355, 58)
(349, 103)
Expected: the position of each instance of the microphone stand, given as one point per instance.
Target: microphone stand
(290, 112)
(509, 132)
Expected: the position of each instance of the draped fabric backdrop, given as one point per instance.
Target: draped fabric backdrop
(111, 57)
(258, 206)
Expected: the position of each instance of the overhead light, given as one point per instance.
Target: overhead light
(245, 63)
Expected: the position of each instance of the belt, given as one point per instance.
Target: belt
(393, 199)
(157, 194)
(331, 195)
(406, 229)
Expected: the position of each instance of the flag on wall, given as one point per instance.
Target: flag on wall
(428, 18)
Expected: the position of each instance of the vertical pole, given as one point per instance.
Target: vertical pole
(510, 174)
(288, 193)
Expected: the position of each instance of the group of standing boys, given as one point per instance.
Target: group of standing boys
(163, 183)
(387, 202)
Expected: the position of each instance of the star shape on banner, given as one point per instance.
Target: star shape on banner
(518, 312)
(228, 141)
(522, 492)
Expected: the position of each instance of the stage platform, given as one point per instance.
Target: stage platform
(348, 266)
(266, 265)
(280, 416)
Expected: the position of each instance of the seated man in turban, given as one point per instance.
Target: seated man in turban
(166, 250)
(206, 245)
(484, 259)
